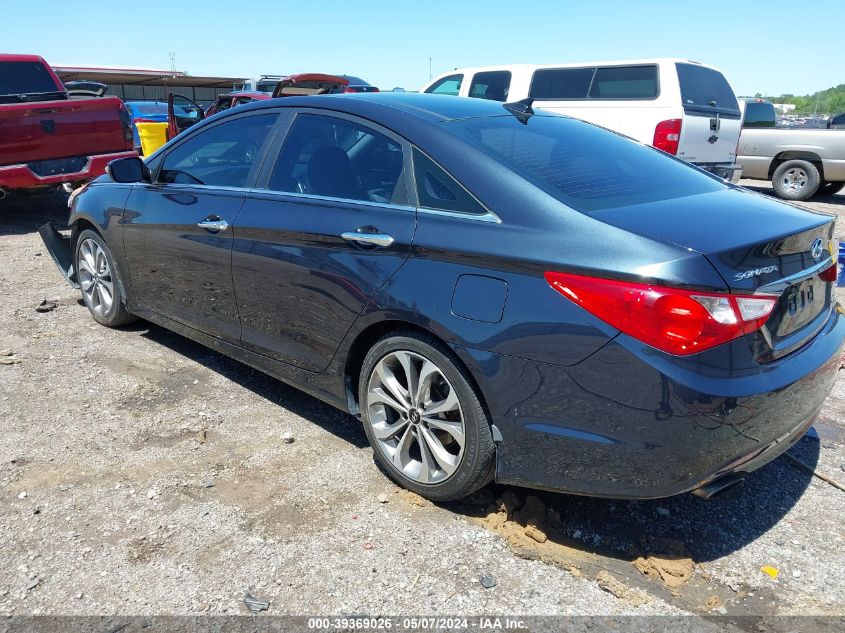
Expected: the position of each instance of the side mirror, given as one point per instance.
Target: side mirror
(128, 170)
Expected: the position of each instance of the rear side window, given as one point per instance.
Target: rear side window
(439, 191)
(222, 155)
(759, 114)
(25, 78)
(338, 158)
(625, 82)
(706, 90)
(493, 85)
(583, 166)
(450, 85)
(561, 83)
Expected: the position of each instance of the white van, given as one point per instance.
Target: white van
(677, 105)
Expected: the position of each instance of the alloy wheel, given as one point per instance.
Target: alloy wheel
(95, 277)
(416, 417)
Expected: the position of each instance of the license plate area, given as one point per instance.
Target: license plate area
(798, 307)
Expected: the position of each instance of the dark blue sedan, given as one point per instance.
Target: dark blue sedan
(494, 292)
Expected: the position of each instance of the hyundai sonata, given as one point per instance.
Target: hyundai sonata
(495, 292)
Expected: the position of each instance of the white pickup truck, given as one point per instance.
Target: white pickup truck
(800, 163)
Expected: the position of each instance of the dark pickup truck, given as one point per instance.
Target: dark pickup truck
(47, 139)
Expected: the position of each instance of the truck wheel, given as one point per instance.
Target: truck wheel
(830, 188)
(98, 280)
(796, 180)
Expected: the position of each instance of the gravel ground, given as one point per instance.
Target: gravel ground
(141, 473)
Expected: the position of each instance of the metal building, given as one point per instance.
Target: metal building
(150, 84)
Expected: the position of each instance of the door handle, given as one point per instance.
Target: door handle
(378, 239)
(213, 223)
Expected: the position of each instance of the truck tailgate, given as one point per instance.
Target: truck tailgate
(48, 130)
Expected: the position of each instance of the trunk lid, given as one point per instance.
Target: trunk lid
(46, 130)
(757, 245)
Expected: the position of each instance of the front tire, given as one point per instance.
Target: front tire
(830, 188)
(99, 281)
(423, 418)
(796, 180)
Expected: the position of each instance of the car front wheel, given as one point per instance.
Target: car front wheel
(99, 282)
(423, 418)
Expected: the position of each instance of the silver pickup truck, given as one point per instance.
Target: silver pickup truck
(801, 163)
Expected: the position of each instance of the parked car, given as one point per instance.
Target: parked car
(494, 291)
(151, 111)
(46, 139)
(234, 99)
(799, 162)
(684, 108)
(292, 85)
(836, 122)
(356, 84)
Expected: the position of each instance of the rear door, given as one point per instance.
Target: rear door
(177, 230)
(182, 113)
(328, 226)
(711, 116)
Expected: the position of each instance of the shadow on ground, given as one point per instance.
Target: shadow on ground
(24, 213)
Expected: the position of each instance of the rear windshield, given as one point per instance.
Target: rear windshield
(584, 166)
(759, 114)
(706, 90)
(25, 78)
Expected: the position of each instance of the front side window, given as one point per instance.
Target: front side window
(625, 82)
(561, 83)
(222, 155)
(450, 85)
(492, 85)
(223, 103)
(338, 158)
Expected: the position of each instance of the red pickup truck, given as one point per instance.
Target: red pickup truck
(47, 139)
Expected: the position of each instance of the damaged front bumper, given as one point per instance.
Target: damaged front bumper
(61, 250)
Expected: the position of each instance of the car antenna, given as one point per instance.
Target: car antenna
(521, 109)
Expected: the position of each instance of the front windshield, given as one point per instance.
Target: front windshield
(582, 165)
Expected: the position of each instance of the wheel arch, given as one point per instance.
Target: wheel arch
(794, 154)
(367, 337)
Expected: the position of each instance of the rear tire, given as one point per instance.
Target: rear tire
(796, 180)
(423, 418)
(99, 281)
(830, 188)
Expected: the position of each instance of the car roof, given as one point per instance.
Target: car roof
(377, 105)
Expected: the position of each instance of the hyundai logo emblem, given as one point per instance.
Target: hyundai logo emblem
(816, 248)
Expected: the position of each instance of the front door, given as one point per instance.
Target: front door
(326, 229)
(177, 230)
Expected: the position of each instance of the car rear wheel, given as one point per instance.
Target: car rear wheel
(830, 188)
(98, 280)
(423, 418)
(796, 180)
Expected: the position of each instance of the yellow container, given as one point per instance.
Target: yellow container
(153, 135)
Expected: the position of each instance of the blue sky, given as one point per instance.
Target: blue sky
(769, 46)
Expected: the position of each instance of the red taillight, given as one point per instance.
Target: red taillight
(676, 321)
(830, 274)
(667, 135)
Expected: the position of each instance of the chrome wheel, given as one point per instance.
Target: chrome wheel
(794, 179)
(415, 416)
(95, 277)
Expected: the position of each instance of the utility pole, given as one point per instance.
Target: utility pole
(429, 69)
(172, 61)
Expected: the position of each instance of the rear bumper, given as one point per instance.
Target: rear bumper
(630, 422)
(22, 177)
